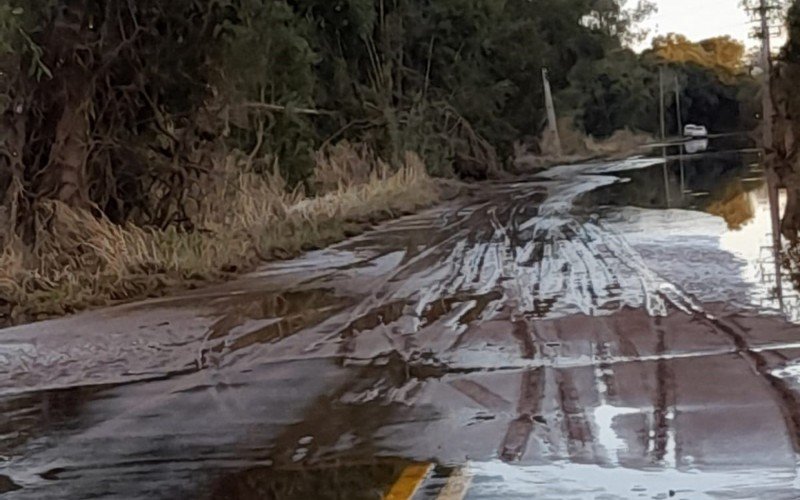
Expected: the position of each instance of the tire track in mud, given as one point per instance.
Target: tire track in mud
(583, 273)
(787, 398)
(580, 253)
(594, 267)
(525, 266)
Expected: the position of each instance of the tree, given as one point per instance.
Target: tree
(103, 102)
(613, 93)
(723, 55)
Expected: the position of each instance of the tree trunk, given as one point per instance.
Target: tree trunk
(65, 178)
(12, 128)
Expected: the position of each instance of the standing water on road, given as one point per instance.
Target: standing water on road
(608, 330)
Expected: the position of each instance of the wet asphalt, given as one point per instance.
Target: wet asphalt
(609, 330)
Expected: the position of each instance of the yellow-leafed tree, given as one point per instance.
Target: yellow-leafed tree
(723, 54)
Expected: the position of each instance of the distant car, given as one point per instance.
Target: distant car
(695, 131)
(696, 146)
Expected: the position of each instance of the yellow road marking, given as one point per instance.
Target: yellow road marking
(457, 485)
(409, 482)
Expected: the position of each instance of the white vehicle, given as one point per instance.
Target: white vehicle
(696, 146)
(695, 131)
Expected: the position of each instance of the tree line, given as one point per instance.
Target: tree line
(123, 107)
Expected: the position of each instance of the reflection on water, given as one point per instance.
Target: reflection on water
(696, 146)
(688, 182)
(587, 481)
(753, 242)
(727, 184)
(736, 206)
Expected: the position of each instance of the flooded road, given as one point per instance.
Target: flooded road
(609, 330)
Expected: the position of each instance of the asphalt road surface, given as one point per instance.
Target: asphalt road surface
(611, 330)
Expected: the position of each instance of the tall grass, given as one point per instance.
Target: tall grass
(80, 260)
(576, 145)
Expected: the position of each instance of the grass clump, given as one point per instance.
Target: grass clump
(576, 146)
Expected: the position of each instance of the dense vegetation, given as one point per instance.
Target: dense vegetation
(144, 140)
(123, 106)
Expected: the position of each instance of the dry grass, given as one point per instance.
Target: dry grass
(621, 143)
(81, 261)
(576, 146)
(345, 165)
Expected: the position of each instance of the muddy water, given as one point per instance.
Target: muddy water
(609, 330)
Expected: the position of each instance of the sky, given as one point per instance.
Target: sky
(700, 19)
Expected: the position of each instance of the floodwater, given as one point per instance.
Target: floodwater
(608, 330)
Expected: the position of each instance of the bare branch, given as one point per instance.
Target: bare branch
(286, 109)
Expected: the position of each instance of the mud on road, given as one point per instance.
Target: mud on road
(609, 330)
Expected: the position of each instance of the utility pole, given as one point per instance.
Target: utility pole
(551, 112)
(680, 134)
(767, 137)
(678, 106)
(766, 62)
(661, 101)
(679, 112)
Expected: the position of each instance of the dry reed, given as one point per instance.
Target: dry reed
(81, 261)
